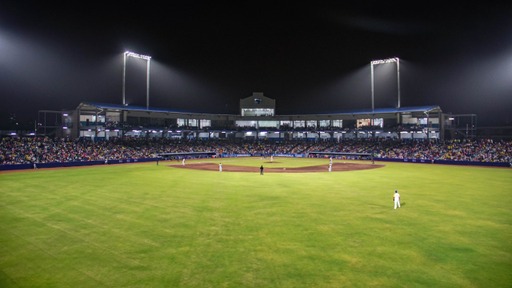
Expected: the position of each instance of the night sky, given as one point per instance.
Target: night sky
(206, 56)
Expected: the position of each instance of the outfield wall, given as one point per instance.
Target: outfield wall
(124, 161)
(72, 164)
(447, 162)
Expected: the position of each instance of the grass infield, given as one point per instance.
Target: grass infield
(148, 225)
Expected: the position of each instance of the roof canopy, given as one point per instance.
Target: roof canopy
(348, 114)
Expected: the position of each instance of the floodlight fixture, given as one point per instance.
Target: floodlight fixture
(385, 61)
(135, 55)
(139, 56)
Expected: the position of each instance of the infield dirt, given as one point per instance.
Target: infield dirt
(336, 167)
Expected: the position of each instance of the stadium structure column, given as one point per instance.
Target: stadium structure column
(428, 125)
(77, 123)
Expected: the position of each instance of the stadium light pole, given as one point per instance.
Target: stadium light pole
(385, 61)
(139, 56)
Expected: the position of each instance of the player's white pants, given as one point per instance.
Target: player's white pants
(397, 204)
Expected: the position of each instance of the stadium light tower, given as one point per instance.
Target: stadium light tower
(144, 57)
(385, 61)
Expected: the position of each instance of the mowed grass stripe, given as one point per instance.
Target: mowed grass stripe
(42, 264)
(171, 227)
(62, 230)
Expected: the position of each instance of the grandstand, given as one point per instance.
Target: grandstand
(257, 120)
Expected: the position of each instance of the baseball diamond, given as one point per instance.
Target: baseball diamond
(306, 169)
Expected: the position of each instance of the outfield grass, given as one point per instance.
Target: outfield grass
(143, 225)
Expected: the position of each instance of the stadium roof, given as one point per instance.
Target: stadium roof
(347, 114)
(96, 105)
(413, 109)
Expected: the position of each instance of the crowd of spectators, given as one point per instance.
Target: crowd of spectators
(46, 150)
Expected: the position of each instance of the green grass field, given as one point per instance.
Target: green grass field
(143, 225)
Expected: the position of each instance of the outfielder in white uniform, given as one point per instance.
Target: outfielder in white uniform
(396, 198)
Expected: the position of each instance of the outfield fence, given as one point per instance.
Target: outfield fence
(125, 161)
